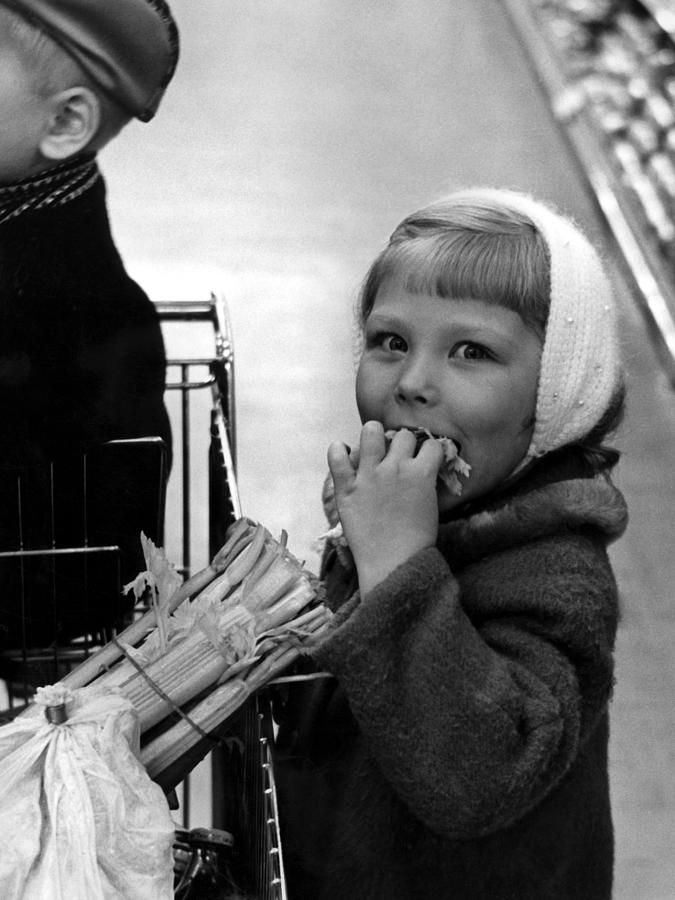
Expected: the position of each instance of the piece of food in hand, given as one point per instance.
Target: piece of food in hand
(453, 465)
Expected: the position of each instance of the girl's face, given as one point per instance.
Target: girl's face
(464, 369)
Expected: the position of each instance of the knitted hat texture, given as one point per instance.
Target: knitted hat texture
(580, 361)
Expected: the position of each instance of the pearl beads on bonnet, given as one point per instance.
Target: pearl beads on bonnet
(580, 363)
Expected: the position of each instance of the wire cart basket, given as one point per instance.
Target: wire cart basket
(84, 568)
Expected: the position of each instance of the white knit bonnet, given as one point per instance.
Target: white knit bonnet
(580, 362)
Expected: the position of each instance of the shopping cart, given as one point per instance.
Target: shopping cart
(72, 535)
(69, 539)
(83, 570)
(243, 792)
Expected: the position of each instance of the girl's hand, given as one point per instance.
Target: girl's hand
(386, 500)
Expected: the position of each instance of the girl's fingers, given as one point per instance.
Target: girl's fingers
(431, 454)
(402, 445)
(339, 462)
(372, 447)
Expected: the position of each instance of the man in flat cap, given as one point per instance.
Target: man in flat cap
(82, 359)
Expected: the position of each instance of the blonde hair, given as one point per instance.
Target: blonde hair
(465, 247)
(490, 245)
(52, 70)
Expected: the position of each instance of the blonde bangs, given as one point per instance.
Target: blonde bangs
(508, 266)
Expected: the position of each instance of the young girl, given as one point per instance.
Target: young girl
(460, 751)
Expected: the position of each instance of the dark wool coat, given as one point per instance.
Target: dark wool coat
(81, 358)
(81, 352)
(461, 750)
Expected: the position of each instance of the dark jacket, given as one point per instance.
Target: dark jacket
(81, 362)
(81, 352)
(461, 750)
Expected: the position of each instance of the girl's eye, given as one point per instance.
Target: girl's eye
(394, 343)
(468, 350)
(387, 341)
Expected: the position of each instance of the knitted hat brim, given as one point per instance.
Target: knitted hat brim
(580, 362)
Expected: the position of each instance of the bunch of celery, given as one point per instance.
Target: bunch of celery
(207, 644)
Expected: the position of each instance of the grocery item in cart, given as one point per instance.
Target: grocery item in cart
(206, 645)
(80, 817)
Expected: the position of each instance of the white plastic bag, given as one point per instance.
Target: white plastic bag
(80, 818)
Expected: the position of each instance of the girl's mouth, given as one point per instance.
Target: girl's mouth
(452, 468)
(422, 434)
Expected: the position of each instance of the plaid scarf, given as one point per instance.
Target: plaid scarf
(54, 187)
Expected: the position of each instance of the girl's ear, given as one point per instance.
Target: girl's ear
(73, 122)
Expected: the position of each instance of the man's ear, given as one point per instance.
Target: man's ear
(74, 120)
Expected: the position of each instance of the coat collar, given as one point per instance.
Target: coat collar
(53, 187)
(545, 503)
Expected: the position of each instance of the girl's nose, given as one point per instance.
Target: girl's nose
(416, 385)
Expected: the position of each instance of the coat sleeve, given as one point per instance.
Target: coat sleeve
(475, 706)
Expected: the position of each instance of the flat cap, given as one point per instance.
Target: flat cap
(129, 48)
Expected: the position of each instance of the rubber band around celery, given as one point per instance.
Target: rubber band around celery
(295, 679)
(153, 684)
